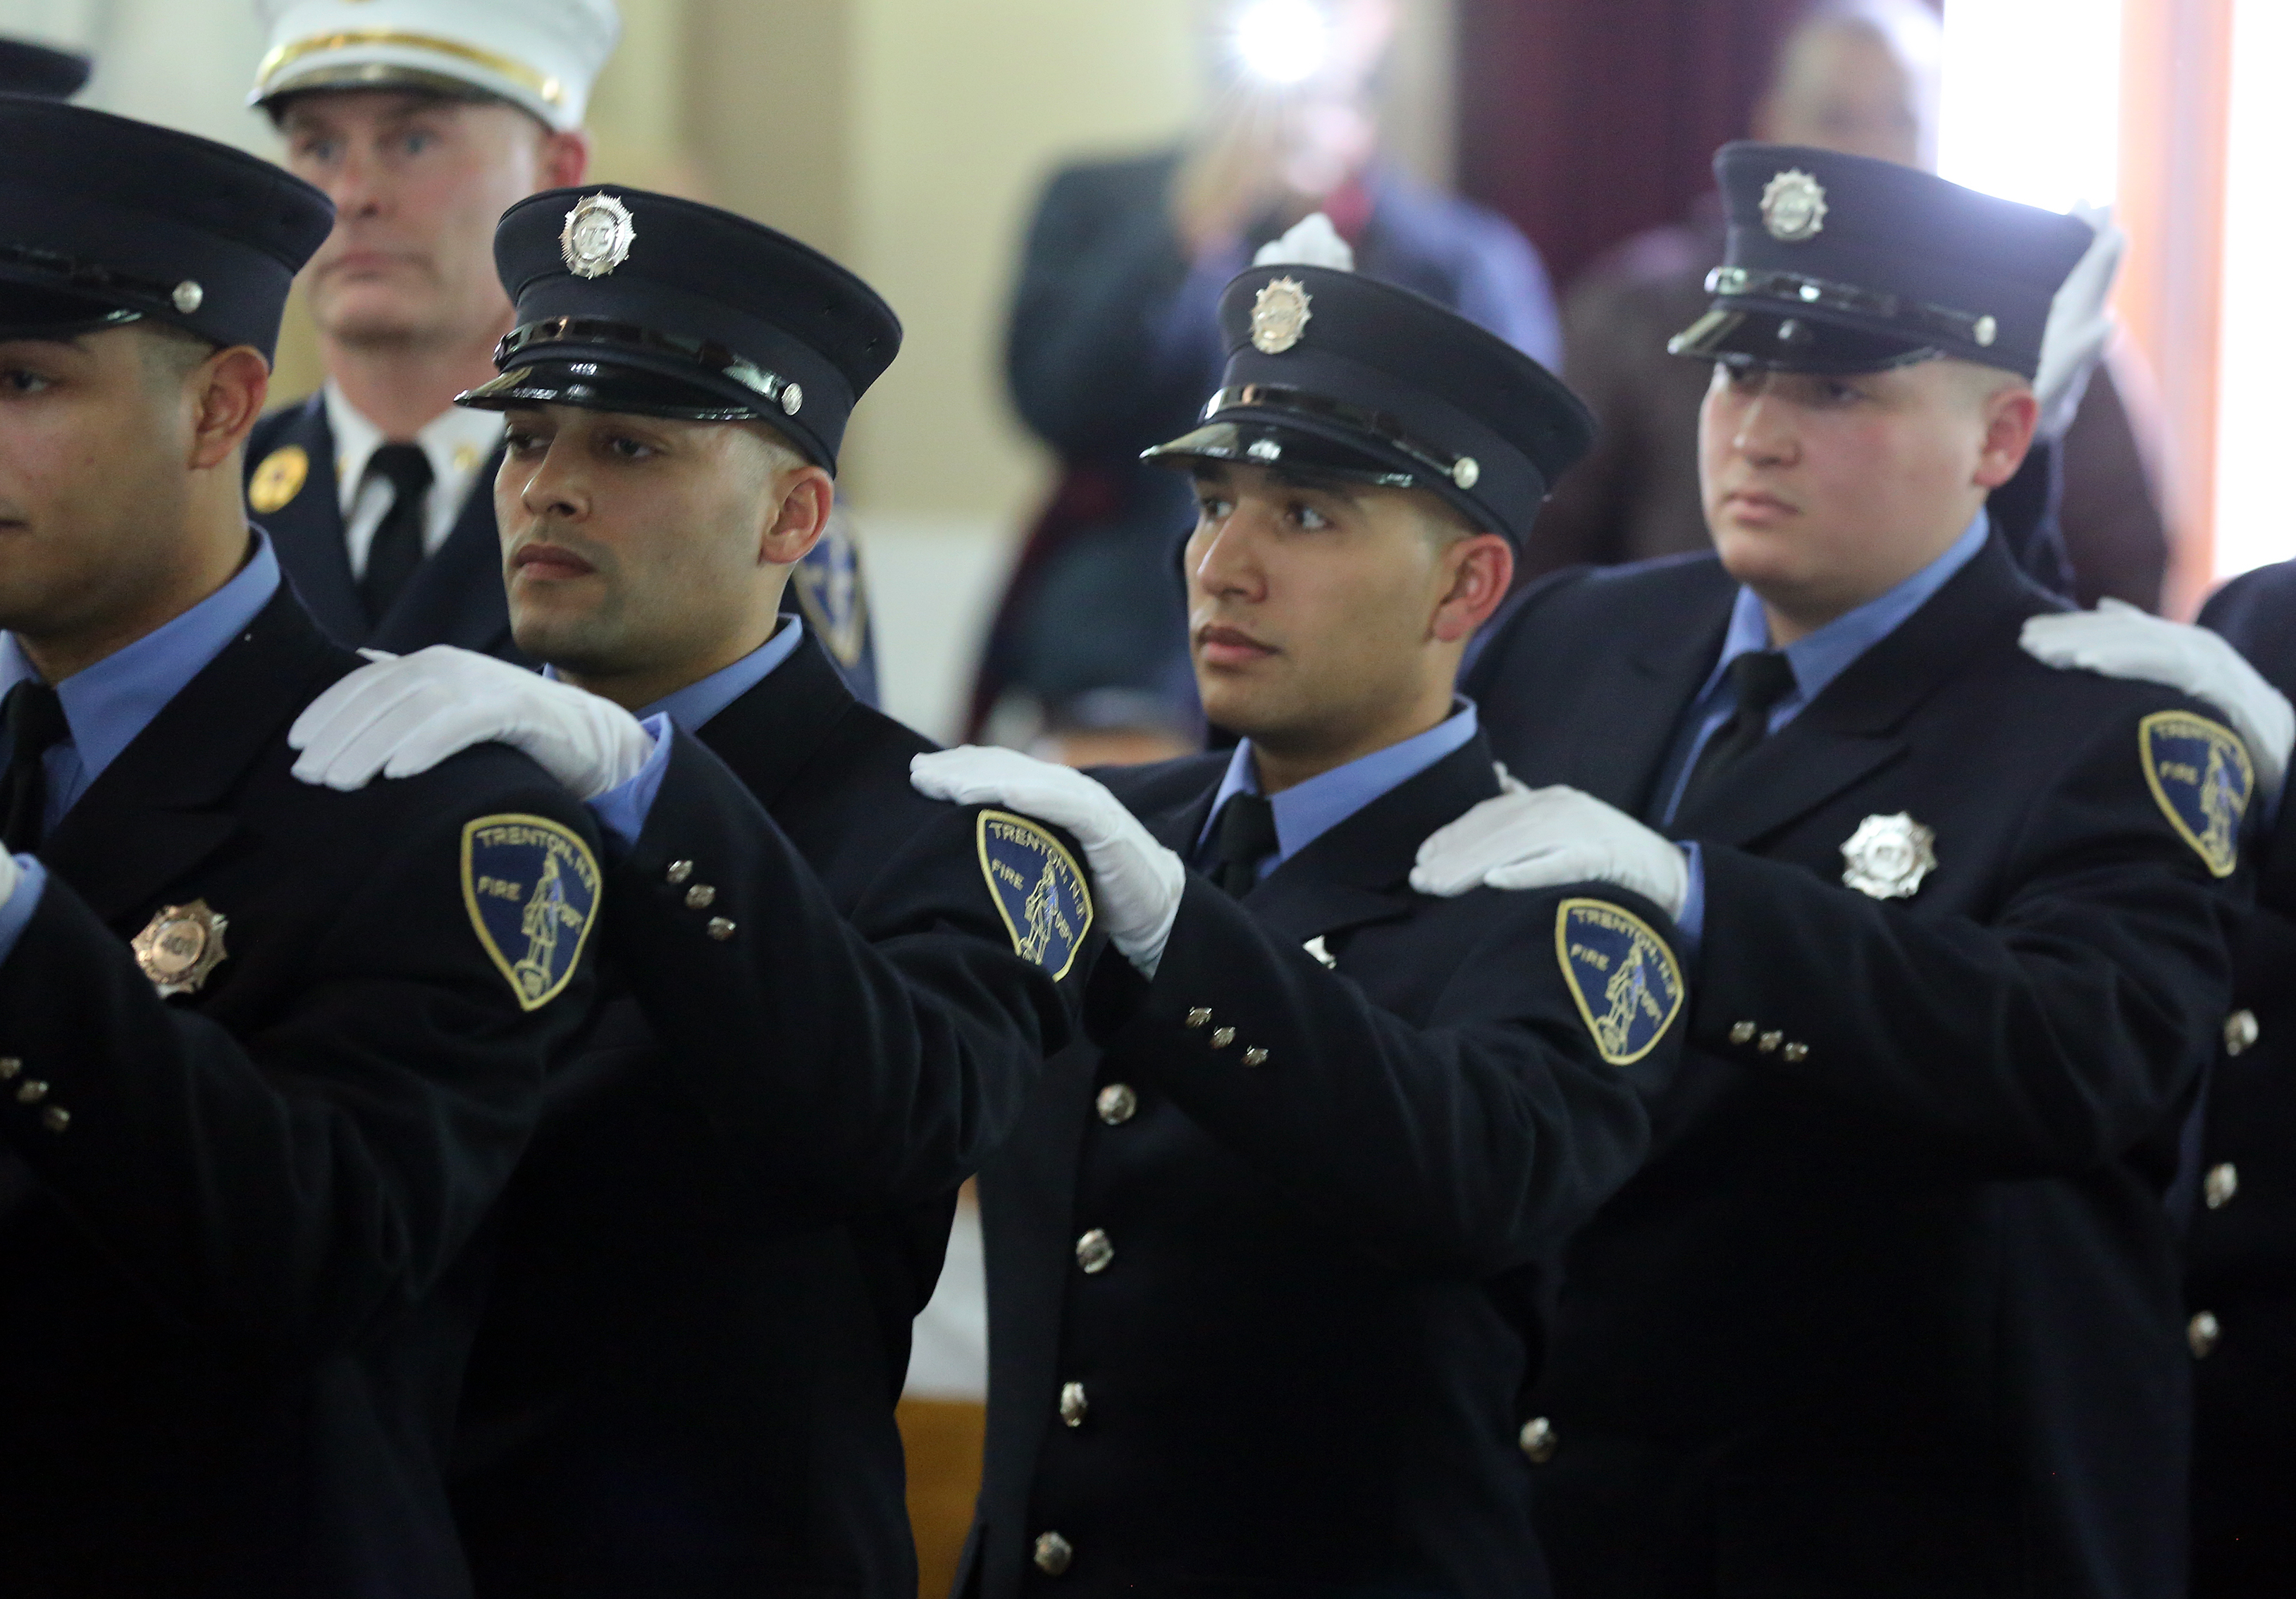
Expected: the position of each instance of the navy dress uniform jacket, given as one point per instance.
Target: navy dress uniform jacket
(1893, 1309)
(2241, 1252)
(236, 1273)
(457, 596)
(1297, 1372)
(742, 1188)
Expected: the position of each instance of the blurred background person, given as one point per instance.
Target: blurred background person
(1114, 345)
(39, 71)
(1861, 76)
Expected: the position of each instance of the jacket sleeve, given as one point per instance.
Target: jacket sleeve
(849, 1063)
(2047, 1039)
(288, 1188)
(1463, 1147)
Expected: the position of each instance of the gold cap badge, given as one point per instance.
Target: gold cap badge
(597, 236)
(1279, 316)
(278, 479)
(180, 946)
(1794, 207)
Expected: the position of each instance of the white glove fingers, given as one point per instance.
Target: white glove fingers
(359, 758)
(447, 731)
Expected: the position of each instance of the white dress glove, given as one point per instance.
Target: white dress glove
(2079, 325)
(2118, 640)
(11, 875)
(402, 715)
(1139, 881)
(1543, 838)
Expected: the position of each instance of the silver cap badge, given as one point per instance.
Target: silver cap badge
(597, 236)
(1794, 207)
(1279, 316)
(180, 946)
(1888, 857)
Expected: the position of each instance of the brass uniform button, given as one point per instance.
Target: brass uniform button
(1053, 1553)
(1198, 1017)
(1094, 1251)
(1537, 1441)
(1072, 1405)
(2240, 1032)
(1768, 1043)
(55, 1119)
(2221, 1185)
(2202, 1333)
(9, 1068)
(32, 1093)
(1794, 1054)
(721, 929)
(701, 897)
(1741, 1032)
(1255, 1057)
(679, 870)
(1116, 1103)
(1222, 1038)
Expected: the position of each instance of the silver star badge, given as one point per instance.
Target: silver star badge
(1794, 207)
(1888, 857)
(1279, 316)
(597, 236)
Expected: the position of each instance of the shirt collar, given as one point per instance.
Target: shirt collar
(1305, 811)
(456, 442)
(692, 707)
(108, 704)
(1824, 655)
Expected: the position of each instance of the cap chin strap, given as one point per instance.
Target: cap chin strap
(1789, 289)
(783, 393)
(1463, 471)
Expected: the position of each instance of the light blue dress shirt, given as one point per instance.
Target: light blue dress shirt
(106, 705)
(1305, 811)
(1816, 659)
(622, 810)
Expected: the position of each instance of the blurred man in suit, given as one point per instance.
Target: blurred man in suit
(1860, 76)
(41, 72)
(1114, 343)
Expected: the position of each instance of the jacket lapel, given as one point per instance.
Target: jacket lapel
(1852, 729)
(307, 530)
(455, 596)
(164, 804)
(1360, 870)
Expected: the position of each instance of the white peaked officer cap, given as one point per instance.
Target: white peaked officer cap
(540, 55)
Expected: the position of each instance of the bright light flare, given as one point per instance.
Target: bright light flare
(1283, 42)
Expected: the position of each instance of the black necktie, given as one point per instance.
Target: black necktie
(1762, 678)
(1245, 837)
(36, 725)
(398, 547)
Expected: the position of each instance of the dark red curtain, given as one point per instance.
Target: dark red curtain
(1589, 120)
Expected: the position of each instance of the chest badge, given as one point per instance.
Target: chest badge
(278, 479)
(180, 946)
(1040, 889)
(1888, 857)
(1279, 316)
(1622, 975)
(2202, 779)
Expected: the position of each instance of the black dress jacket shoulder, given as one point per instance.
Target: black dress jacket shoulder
(818, 1024)
(1262, 1280)
(1893, 1309)
(235, 1223)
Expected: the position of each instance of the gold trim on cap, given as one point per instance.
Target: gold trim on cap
(550, 89)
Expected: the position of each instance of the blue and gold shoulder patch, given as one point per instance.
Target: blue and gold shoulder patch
(832, 593)
(2202, 775)
(1038, 888)
(1622, 974)
(532, 889)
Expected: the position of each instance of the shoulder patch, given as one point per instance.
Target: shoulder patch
(1622, 975)
(532, 889)
(832, 593)
(1040, 889)
(2202, 776)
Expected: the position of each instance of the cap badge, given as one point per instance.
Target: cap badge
(1279, 316)
(597, 236)
(180, 946)
(1794, 207)
(278, 479)
(1888, 857)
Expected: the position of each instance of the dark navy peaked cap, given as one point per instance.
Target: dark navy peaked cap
(1330, 372)
(1840, 263)
(37, 71)
(638, 302)
(104, 220)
